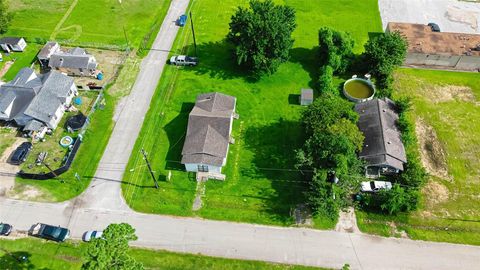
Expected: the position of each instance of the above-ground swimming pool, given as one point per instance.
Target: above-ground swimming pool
(358, 90)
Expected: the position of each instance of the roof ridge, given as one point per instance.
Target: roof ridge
(380, 115)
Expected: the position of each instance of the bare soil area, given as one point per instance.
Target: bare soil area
(435, 193)
(431, 151)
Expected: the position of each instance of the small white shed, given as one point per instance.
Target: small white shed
(306, 97)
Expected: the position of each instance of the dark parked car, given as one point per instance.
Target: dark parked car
(5, 229)
(435, 27)
(21, 153)
(182, 20)
(55, 233)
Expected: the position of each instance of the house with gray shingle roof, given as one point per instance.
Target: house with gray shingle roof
(75, 62)
(383, 150)
(48, 49)
(16, 44)
(209, 135)
(30, 99)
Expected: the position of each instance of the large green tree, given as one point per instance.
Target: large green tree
(262, 36)
(5, 16)
(111, 250)
(383, 53)
(335, 48)
(333, 141)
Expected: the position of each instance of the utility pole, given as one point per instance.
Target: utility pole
(193, 32)
(149, 168)
(126, 38)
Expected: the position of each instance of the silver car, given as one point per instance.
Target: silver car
(89, 235)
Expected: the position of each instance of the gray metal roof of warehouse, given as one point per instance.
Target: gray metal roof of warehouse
(383, 144)
(208, 131)
(75, 58)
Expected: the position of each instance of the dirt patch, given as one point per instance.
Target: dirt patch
(5, 68)
(302, 215)
(27, 192)
(347, 221)
(435, 193)
(396, 232)
(447, 93)
(431, 151)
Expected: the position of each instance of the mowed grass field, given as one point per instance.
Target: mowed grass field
(49, 255)
(99, 22)
(446, 109)
(262, 185)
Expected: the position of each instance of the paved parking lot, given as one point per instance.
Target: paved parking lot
(450, 15)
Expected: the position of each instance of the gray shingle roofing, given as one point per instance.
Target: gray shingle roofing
(208, 131)
(47, 50)
(33, 125)
(383, 144)
(75, 58)
(47, 102)
(18, 93)
(10, 40)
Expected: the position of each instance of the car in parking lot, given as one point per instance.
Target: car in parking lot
(50, 232)
(89, 235)
(434, 27)
(21, 153)
(5, 229)
(375, 186)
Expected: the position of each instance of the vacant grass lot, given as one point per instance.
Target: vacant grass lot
(99, 22)
(448, 128)
(49, 255)
(262, 185)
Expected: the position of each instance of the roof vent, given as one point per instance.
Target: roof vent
(389, 142)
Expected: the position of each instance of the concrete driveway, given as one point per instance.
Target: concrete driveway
(450, 15)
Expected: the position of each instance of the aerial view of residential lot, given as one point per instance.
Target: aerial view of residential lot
(256, 134)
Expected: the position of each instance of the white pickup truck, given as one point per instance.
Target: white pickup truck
(183, 60)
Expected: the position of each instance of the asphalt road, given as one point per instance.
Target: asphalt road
(102, 204)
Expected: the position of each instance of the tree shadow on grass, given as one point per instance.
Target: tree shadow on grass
(176, 131)
(274, 148)
(17, 260)
(309, 59)
(216, 60)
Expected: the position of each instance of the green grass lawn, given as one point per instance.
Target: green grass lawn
(49, 255)
(22, 59)
(100, 22)
(66, 186)
(450, 211)
(261, 185)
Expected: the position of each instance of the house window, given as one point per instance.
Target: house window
(202, 168)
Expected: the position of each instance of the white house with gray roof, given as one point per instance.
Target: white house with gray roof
(383, 150)
(16, 44)
(36, 101)
(209, 134)
(74, 62)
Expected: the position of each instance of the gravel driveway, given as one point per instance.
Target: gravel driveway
(450, 15)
